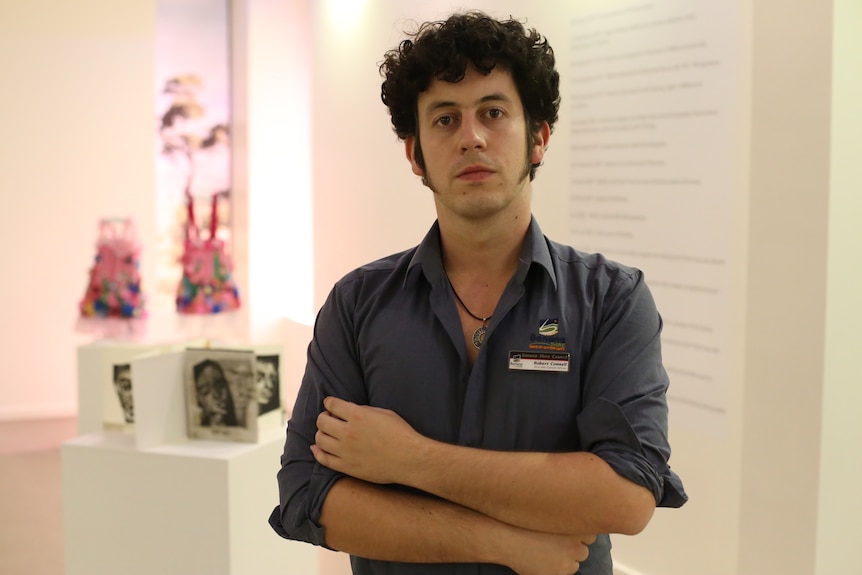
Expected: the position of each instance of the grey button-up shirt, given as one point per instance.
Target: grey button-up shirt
(389, 335)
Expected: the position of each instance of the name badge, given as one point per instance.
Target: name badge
(539, 361)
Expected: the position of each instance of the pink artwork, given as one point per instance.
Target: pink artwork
(193, 102)
(207, 285)
(114, 287)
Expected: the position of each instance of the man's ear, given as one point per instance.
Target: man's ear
(410, 151)
(540, 143)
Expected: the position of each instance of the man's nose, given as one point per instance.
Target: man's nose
(472, 134)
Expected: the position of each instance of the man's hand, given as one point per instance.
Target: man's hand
(365, 442)
(549, 554)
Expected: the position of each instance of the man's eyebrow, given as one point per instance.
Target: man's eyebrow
(438, 104)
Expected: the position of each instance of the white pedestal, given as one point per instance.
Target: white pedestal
(199, 507)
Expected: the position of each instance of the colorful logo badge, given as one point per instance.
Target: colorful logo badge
(548, 337)
(549, 327)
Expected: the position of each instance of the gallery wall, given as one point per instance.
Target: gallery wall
(76, 145)
(783, 384)
(839, 500)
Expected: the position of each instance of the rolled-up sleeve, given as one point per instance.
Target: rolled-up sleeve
(625, 415)
(332, 369)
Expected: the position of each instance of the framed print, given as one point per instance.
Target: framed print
(221, 394)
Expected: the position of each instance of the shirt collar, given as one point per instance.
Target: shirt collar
(428, 258)
(535, 251)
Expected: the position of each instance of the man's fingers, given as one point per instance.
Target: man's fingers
(330, 425)
(337, 407)
(323, 457)
(324, 441)
(326, 447)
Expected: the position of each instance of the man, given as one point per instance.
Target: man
(490, 401)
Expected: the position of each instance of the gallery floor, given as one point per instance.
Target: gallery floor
(31, 529)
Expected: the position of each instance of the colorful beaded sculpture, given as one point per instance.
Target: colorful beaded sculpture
(207, 285)
(114, 289)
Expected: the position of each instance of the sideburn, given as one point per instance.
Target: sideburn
(528, 164)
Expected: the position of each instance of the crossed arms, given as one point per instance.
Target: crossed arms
(534, 512)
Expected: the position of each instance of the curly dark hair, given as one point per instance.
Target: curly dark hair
(442, 50)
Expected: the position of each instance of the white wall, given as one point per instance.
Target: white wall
(786, 287)
(76, 145)
(272, 71)
(840, 503)
(272, 203)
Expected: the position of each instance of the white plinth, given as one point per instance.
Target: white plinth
(198, 508)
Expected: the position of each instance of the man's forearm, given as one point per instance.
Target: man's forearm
(379, 522)
(567, 493)
(386, 524)
(555, 492)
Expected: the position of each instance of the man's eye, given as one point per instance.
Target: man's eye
(495, 113)
(444, 121)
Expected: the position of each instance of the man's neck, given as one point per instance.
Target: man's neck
(482, 252)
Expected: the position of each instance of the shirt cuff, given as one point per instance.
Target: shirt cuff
(605, 431)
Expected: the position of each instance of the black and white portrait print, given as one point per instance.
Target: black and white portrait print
(221, 394)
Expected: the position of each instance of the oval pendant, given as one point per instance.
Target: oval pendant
(479, 337)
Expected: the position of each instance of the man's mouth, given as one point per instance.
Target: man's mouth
(474, 173)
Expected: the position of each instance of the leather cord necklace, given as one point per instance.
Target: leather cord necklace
(479, 334)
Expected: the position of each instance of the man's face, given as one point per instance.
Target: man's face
(266, 378)
(473, 136)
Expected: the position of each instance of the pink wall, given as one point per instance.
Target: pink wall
(76, 145)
